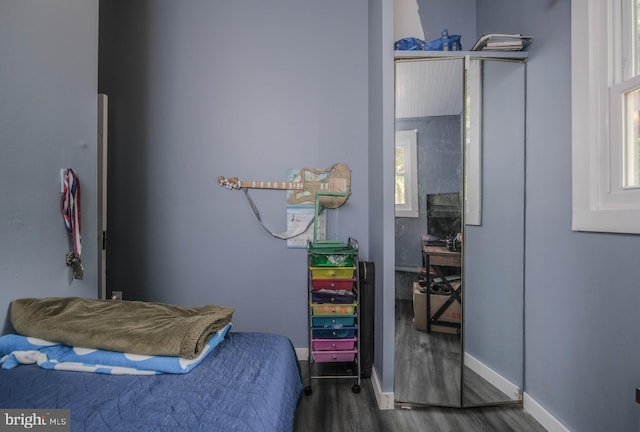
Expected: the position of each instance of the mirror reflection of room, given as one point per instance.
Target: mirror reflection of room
(429, 116)
(459, 230)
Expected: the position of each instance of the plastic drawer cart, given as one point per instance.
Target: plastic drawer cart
(333, 297)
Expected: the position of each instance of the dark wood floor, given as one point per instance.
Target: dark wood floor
(428, 367)
(332, 406)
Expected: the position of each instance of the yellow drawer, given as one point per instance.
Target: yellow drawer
(332, 272)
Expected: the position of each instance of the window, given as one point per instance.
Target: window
(406, 174)
(606, 115)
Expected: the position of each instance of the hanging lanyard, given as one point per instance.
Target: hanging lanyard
(72, 219)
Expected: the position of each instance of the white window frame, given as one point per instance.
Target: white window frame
(473, 143)
(600, 203)
(409, 140)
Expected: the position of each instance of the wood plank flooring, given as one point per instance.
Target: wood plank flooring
(332, 406)
(428, 367)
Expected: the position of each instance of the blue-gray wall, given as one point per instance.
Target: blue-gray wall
(582, 294)
(494, 250)
(457, 16)
(381, 184)
(582, 302)
(48, 112)
(247, 89)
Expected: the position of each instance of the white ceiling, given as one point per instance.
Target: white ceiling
(426, 88)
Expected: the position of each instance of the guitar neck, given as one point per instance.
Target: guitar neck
(270, 185)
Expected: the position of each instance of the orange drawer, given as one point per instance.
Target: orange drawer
(333, 308)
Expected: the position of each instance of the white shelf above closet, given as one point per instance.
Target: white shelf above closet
(497, 55)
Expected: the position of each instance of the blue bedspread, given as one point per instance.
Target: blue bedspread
(250, 382)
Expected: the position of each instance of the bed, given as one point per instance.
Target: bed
(247, 382)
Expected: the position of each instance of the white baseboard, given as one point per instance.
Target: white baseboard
(537, 411)
(386, 400)
(302, 354)
(542, 416)
(512, 390)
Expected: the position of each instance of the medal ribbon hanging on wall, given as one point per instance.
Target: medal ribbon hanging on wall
(72, 219)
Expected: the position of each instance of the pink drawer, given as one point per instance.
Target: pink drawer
(333, 284)
(334, 356)
(333, 344)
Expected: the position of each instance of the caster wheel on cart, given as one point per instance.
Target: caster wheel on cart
(307, 390)
(355, 388)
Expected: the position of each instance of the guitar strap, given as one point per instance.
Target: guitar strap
(285, 235)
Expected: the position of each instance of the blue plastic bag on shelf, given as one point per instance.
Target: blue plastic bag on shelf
(445, 42)
(409, 44)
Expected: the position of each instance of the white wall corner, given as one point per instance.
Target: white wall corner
(542, 416)
(386, 400)
(407, 21)
(302, 354)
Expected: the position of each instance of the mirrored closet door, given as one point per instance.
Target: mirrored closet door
(459, 230)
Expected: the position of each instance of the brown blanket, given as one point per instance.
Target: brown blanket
(124, 326)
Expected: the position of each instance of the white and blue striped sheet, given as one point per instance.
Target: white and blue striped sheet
(16, 350)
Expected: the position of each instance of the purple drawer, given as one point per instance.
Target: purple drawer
(334, 356)
(334, 333)
(328, 297)
(333, 344)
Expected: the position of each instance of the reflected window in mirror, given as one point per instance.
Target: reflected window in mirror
(406, 180)
(473, 143)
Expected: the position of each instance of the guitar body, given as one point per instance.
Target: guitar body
(332, 185)
(335, 179)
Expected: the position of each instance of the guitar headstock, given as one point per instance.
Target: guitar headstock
(229, 183)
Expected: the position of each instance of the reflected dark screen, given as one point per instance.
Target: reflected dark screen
(444, 211)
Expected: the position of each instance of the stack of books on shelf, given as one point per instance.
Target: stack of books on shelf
(502, 42)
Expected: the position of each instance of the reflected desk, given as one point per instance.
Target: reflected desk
(437, 257)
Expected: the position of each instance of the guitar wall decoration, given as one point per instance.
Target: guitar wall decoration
(336, 178)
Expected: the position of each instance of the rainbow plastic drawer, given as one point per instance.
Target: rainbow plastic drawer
(333, 284)
(335, 321)
(331, 297)
(333, 309)
(332, 260)
(333, 344)
(332, 272)
(334, 356)
(334, 333)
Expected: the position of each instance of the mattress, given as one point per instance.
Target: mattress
(250, 382)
